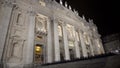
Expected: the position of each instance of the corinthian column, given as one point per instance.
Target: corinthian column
(49, 44)
(56, 41)
(30, 44)
(65, 41)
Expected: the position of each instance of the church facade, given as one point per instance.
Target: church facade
(44, 31)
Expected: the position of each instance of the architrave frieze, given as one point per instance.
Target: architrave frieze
(6, 3)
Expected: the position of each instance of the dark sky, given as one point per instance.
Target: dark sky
(103, 12)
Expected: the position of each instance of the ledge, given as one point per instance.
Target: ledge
(81, 59)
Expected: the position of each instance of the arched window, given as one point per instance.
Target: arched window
(71, 39)
(39, 53)
(60, 33)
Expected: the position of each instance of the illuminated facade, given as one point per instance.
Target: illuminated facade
(44, 31)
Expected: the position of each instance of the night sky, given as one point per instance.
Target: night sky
(103, 12)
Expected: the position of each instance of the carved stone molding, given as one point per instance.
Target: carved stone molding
(7, 4)
(31, 13)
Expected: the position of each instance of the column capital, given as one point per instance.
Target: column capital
(31, 13)
(54, 20)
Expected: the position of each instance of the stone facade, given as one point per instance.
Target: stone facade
(44, 31)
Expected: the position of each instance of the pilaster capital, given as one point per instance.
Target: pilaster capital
(31, 12)
(55, 20)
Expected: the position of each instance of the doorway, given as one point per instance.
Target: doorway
(38, 58)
